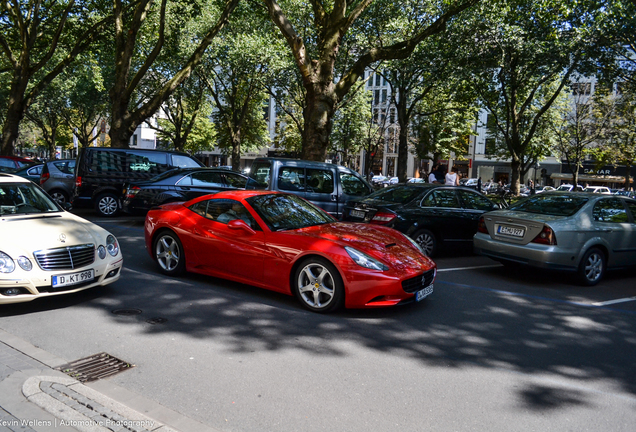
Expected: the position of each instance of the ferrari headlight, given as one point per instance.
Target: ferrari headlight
(414, 243)
(25, 263)
(6, 263)
(111, 245)
(365, 260)
(101, 251)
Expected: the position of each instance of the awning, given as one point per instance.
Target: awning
(591, 178)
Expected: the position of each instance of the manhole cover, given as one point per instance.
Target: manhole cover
(127, 312)
(95, 367)
(157, 320)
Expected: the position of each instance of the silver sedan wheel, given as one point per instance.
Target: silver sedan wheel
(593, 266)
(168, 253)
(107, 205)
(316, 286)
(59, 197)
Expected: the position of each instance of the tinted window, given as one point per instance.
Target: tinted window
(352, 185)
(183, 161)
(106, 161)
(259, 176)
(397, 194)
(441, 198)
(610, 210)
(291, 179)
(199, 208)
(474, 201)
(320, 181)
(632, 208)
(7, 163)
(35, 170)
(206, 179)
(546, 203)
(152, 163)
(235, 180)
(284, 212)
(65, 167)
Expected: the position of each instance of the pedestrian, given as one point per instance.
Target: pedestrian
(432, 178)
(479, 184)
(452, 178)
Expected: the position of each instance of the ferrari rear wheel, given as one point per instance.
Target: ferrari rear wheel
(427, 241)
(318, 285)
(169, 253)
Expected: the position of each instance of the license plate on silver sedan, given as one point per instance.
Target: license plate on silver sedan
(422, 294)
(73, 279)
(510, 231)
(357, 213)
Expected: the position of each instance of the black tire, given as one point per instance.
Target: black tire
(59, 196)
(427, 241)
(107, 204)
(168, 253)
(592, 267)
(318, 285)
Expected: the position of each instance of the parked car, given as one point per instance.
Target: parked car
(290, 246)
(586, 233)
(598, 189)
(11, 163)
(58, 179)
(630, 194)
(100, 173)
(416, 180)
(30, 172)
(326, 185)
(181, 184)
(568, 187)
(47, 251)
(433, 215)
(541, 189)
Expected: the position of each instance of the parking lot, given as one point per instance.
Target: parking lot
(493, 348)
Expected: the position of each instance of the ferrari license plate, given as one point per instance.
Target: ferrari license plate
(73, 279)
(510, 231)
(357, 213)
(422, 294)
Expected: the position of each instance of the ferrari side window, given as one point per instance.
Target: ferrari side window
(226, 210)
(199, 208)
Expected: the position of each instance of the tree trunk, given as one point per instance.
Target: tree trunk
(236, 151)
(318, 116)
(403, 145)
(15, 114)
(515, 177)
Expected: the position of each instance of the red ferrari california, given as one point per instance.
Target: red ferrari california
(283, 243)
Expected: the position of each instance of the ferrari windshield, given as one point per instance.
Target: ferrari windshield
(286, 212)
(551, 204)
(24, 198)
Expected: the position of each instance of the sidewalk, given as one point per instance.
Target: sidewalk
(34, 397)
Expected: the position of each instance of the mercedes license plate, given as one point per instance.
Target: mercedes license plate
(510, 231)
(73, 279)
(422, 294)
(357, 213)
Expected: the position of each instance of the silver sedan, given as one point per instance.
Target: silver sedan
(581, 232)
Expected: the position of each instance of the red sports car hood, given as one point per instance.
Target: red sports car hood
(383, 243)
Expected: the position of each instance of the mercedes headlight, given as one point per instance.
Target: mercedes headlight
(6, 263)
(25, 263)
(101, 251)
(111, 245)
(365, 260)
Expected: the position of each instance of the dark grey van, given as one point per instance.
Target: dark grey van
(100, 173)
(328, 186)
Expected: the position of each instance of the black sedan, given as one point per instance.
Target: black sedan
(431, 214)
(181, 184)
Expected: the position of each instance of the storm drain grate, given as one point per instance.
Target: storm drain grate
(95, 367)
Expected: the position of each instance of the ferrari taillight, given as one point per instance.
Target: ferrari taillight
(481, 226)
(546, 237)
(382, 218)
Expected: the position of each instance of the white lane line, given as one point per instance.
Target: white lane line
(610, 302)
(469, 268)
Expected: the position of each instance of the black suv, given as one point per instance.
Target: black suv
(100, 173)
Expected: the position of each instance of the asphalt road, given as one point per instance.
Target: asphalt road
(493, 349)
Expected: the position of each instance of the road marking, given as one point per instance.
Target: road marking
(610, 302)
(469, 268)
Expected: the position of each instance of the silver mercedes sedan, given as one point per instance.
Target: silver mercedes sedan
(581, 232)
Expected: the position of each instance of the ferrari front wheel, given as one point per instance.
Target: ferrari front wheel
(318, 285)
(169, 253)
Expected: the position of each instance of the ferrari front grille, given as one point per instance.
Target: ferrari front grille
(418, 282)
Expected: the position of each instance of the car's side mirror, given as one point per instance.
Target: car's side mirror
(238, 224)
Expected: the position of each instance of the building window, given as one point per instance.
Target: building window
(383, 95)
(376, 98)
(370, 79)
(134, 140)
(392, 119)
(377, 79)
